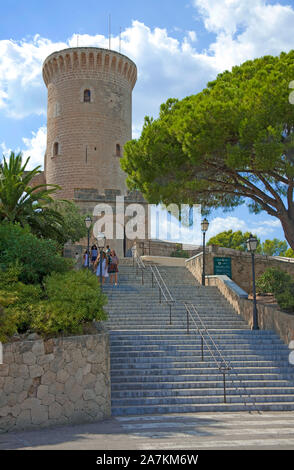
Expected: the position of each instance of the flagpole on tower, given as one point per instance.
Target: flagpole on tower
(109, 27)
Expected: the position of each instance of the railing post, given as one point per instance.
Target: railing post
(225, 392)
(159, 295)
(202, 352)
(170, 314)
(188, 326)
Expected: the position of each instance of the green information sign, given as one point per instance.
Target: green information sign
(222, 266)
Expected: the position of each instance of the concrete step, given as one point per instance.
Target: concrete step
(154, 387)
(196, 400)
(212, 408)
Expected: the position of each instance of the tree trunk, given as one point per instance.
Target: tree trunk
(288, 227)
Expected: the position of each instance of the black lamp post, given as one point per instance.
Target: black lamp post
(88, 222)
(101, 239)
(204, 228)
(251, 247)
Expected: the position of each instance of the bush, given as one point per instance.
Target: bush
(280, 284)
(35, 257)
(179, 253)
(16, 303)
(74, 299)
(286, 299)
(272, 281)
(65, 305)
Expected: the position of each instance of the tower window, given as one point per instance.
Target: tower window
(118, 151)
(55, 149)
(87, 96)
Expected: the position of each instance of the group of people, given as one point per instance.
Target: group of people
(108, 263)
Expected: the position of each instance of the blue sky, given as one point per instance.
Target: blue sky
(178, 46)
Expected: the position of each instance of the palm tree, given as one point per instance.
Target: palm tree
(26, 204)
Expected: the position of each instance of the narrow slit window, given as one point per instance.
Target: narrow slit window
(118, 150)
(55, 149)
(87, 96)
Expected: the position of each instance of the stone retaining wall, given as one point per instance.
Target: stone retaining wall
(241, 263)
(58, 381)
(269, 316)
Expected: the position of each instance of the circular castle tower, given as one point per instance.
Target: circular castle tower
(89, 119)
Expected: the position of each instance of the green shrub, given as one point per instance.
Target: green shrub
(17, 301)
(273, 281)
(36, 257)
(286, 299)
(179, 253)
(73, 300)
(280, 284)
(65, 305)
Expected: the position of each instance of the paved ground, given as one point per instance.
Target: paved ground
(169, 432)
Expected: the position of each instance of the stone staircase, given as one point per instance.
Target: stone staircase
(157, 367)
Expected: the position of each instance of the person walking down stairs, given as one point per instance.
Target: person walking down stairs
(97, 265)
(113, 266)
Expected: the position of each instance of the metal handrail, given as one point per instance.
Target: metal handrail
(225, 367)
(159, 279)
(163, 289)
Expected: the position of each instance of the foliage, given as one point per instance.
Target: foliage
(21, 202)
(280, 284)
(289, 253)
(16, 302)
(67, 302)
(73, 226)
(179, 253)
(272, 281)
(286, 299)
(230, 144)
(36, 257)
(274, 247)
(229, 239)
(73, 300)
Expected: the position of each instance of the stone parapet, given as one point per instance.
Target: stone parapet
(58, 381)
(241, 264)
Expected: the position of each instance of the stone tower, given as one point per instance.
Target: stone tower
(89, 119)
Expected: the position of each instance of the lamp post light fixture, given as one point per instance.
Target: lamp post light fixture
(204, 228)
(101, 240)
(88, 222)
(251, 247)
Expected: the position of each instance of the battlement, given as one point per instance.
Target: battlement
(89, 59)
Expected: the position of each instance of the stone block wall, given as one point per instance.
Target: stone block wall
(269, 316)
(58, 381)
(160, 248)
(241, 263)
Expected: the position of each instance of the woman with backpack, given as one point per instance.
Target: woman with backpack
(113, 266)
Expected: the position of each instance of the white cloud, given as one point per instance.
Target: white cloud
(246, 29)
(35, 148)
(22, 91)
(4, 150)
(261, 229)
